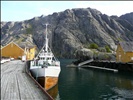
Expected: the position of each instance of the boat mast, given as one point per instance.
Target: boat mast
(46, 39)
(46, 42)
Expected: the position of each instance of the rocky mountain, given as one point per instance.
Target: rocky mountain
(128, 17)
(71, 30)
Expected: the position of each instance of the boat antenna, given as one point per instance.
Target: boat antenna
(46, 39)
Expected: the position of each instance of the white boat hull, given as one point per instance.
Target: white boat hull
(50, 71)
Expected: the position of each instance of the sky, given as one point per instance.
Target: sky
(24, 10)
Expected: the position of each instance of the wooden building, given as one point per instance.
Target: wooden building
(124, 52)
(15, 50)
(29, 49)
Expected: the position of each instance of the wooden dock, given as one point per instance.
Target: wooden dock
(85, 62)
(17, 85)
(96, 67)
(113, 65)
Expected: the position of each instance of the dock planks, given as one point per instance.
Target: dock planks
(85, 62)
(17, 85)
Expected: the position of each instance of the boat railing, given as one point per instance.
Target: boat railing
(54, 63)
(46, 54)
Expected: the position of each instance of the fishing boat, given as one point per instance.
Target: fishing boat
(45, 67)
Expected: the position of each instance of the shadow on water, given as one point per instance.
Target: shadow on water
(93, 84)
(53, 91)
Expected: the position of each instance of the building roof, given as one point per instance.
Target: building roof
(127, 46)
(22, 45)
(13, 43)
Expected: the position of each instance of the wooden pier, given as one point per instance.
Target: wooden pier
(113, 65)
(96, 67)
(104, 65)
(17, 85)
(85, 62)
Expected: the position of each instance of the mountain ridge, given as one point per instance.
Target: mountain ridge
(71, 30)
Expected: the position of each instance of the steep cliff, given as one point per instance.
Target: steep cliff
(71, 30)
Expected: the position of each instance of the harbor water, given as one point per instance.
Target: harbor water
(93, 84)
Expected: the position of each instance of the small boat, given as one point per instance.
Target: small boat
(45, 67)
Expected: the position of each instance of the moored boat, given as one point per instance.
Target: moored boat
(45, 67)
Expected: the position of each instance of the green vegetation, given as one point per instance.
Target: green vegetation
(105, 56)
(93, 46)
(119, 39)
(107, 48)
(29, 30)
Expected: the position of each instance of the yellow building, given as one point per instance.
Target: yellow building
(124, 52)
(16, 51)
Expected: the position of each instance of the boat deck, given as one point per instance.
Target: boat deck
(17, 85)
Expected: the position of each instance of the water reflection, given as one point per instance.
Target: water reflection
(93, 84)
(53, 91)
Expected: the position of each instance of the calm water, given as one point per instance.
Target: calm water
(92, 84)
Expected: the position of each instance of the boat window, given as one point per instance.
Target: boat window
(48, 58)
(53, 58)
